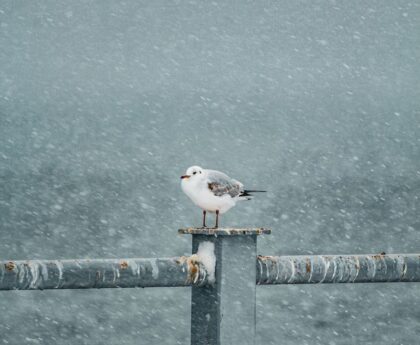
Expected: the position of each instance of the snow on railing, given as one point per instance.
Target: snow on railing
(315, 269)
(101, 273)
(223, 274)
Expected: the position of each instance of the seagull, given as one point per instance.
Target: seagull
(213, 191)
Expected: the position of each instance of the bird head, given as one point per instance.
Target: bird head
(193, 173)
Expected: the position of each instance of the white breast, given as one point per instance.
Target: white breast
(201, 195)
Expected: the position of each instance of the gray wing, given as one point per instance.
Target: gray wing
(220, 184)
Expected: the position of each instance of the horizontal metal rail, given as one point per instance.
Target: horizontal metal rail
(338, 269)
(188, 271)
(109, 273)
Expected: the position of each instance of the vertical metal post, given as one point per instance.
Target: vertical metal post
(224, 313)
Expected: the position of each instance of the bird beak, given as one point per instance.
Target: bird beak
(185, 176)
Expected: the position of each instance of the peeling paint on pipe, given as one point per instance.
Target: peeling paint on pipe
(313, 269)
(110, 273)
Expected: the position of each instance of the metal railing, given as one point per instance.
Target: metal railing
(223, 305)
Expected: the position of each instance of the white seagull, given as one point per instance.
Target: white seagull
(213, 191)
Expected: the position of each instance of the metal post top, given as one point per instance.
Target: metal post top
(225, 231)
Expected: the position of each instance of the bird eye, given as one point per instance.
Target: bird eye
(195, 172)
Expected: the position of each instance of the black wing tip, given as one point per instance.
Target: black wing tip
(248, 192)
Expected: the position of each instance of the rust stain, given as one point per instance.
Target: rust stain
(193, 268)
(123, 265)
(193, 264)
(265, 258)
(181, 260)
(10, 266)
(379, 256)
(308, 266)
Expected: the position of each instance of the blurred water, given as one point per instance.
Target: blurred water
(103, 105)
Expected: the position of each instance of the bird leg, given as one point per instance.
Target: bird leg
(204, 218)
(217, 219)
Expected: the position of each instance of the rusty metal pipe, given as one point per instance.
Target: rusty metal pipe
(313, 269)
(100, 273)
(186, 271)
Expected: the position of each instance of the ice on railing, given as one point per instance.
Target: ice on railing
(107, 273)
(310, 269)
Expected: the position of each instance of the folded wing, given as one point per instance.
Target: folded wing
(220, 184)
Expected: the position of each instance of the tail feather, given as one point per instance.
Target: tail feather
(247, 192)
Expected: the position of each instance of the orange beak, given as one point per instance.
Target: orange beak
(185, 176)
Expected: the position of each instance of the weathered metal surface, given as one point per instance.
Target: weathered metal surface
(224, 313)
(187, 271)
(338, 269)
(224, 231)
(111, 273)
